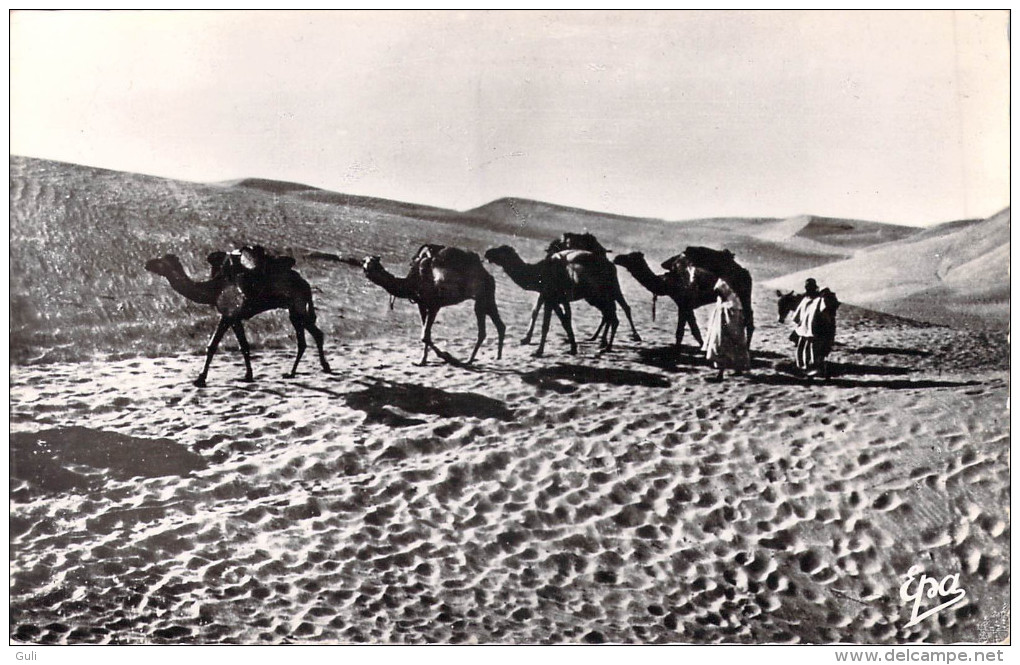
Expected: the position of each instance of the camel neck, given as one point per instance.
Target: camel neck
(204, 293)
(648, 279)
(400, 287)
(528, 276)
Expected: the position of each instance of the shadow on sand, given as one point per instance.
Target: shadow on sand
(771, 355)
(667, 358)
(886, 351)
(837, 370)
(892, 384)
(382, 400)
(670, 359)
(554, 378)
(845, 369)
(79, 459)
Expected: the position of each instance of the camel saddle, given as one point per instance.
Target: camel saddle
(248, 260)
(255, 259)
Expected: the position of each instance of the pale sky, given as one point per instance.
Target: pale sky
(888, 116)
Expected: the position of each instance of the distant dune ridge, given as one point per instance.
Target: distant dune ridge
(599, 498)
(955, 274)
(845, 233)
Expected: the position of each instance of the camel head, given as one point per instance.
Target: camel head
(501, 255)
(164, 266)
(628, 260)
(787, 302)
(372, 265)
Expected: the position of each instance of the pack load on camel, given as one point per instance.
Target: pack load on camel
(250, 259)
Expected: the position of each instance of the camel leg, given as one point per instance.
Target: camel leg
(546, 315)
(299, 329)
(603, 342)
(319, 340)
(626, 311)
(426, 335)
(214, 343)
(565, 319)
(480, 313)
(493, 313)
(612, 322)
(680, 322)
(687, 318)
(615, 325)
(692, 321)
(242, 341)
(534, 318)
(424, 314)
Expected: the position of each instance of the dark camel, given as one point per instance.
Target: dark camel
(440, 277)
(720, 264)
(688, 285)
(589, 243)
(687, 295)
(560, 279)
(239, 294)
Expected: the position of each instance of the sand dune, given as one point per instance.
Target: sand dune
(933, 276)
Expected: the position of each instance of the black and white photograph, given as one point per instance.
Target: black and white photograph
(514, 328)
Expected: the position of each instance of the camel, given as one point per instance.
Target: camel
(687, 295)
(440, 277)
(719, 264)
(238, 295)
(588, 243)
(560, 279)
(690, 286)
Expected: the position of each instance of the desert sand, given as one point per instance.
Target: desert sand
(597, 498)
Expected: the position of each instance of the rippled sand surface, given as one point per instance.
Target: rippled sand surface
(616, 498)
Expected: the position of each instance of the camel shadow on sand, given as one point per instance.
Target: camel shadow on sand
(388, 402)
(80, 459)
(841, 369)
(562, 377)
(791, 379)
(887, 350)
(669, 359)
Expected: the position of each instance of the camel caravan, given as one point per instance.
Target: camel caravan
(249, 281)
